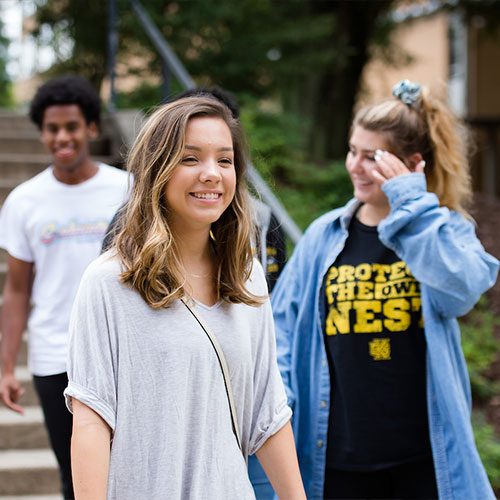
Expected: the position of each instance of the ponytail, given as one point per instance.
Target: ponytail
(449, 176)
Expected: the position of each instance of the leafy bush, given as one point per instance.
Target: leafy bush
(145, 96)
(488, 445)
(306, 189)
(481, 348)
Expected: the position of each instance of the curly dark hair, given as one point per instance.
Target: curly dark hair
(66, 90)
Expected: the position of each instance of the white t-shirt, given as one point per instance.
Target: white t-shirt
(59, 227)
(154, 377)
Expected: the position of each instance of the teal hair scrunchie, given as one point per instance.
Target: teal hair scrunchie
(407, 91)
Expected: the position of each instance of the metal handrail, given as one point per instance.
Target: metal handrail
(166, 53)
(179, 71)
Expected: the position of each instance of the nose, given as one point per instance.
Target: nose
(353, 162)
(62, 135)
(210, 172)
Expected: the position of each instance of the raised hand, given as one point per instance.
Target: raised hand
(389, 166)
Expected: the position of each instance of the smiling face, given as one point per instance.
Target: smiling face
(360, 163)
(203, 184)
(66, 135)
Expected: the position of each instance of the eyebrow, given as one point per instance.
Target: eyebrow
(363, 150)
(56, 124)
(196, 148)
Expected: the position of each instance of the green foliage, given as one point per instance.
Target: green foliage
(317, 190)
(6, 97)
(308, 56)
(306, 189)
(143, 97)
(481, 348)
(488, 445)
(77, 32)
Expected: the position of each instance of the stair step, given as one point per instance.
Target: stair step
(32, 497)
(27, 459)
(22, 432)
(20, 167)
(28, 472)
(19, 121)
(30, 397)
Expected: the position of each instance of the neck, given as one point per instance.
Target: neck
(196, 251)
(77, 174)
(193, 245)
(372, 215)
(200, 265)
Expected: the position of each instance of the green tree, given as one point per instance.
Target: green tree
(5, 83)
(306, 55)
(82, 23)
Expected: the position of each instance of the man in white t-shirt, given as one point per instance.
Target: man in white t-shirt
(52, 227)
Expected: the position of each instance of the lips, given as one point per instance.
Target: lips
(207, 196)
(64, 152)
(363, 183)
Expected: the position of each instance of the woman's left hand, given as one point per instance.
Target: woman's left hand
(389, 166)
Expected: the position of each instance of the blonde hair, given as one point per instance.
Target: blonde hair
(430, 128)
(146, 246)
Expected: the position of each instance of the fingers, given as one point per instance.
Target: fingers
(389, 165)
(377, 177)
(9, 394)
(13, 406)
(420, 167)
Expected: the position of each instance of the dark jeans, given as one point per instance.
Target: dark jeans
(59, 423)
(413, 481)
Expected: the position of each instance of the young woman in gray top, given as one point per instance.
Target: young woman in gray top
(151, 415)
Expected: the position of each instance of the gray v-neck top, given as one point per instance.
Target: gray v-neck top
(154, 377)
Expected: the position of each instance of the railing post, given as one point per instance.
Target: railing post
(165, 85)
(112, 51)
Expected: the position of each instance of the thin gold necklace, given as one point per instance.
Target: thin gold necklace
(206, 275)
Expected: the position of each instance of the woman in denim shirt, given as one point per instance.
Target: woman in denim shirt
(365, 311)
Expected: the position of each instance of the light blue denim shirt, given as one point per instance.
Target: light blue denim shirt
(443, 253)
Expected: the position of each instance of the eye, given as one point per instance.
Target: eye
(227, 162)
(72, 127)
(370, 157)
(190, 160)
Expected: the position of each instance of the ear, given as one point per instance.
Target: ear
(92, 130)
(413, 160)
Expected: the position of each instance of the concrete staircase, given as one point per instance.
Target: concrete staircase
(28, 468)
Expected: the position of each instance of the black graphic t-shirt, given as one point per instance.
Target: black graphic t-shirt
(376, 349)
(276, 252)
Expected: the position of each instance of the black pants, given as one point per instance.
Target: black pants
(415, 481)
(59, 423)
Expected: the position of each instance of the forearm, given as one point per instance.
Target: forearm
(90, 453)
(279, 460)
(439, 246)
(15, 310)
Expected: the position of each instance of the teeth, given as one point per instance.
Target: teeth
(206, 196)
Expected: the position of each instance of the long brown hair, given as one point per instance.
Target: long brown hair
(146, 245)
(430, 128)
